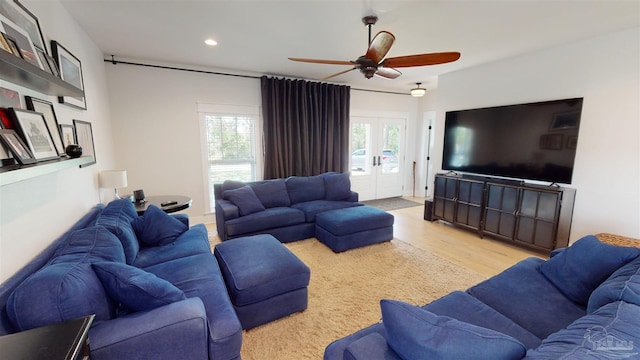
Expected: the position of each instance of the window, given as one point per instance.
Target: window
(229, 142)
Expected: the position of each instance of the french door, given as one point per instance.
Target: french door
(377, 156)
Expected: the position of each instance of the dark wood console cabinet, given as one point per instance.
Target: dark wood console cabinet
(534, 216)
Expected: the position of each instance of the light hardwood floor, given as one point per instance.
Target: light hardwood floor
(462, 247)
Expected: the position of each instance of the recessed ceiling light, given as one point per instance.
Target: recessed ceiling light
(211, 42)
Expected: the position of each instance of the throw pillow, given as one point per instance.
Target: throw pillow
(135, 288)
(245, 199)
(583, 266)
(337, 186)
(157, 228)
(414, 333)
(271, 193)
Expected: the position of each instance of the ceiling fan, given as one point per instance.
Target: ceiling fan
(374, 63)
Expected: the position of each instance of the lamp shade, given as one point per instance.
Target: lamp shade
(113, 179)
(418, 92)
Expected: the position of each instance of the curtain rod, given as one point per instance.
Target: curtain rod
(115, 62)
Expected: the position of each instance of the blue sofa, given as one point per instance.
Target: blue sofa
(582, 303)
(283, 208)
(152, 281)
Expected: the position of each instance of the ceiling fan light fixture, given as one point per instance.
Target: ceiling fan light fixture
(211, 42)
(418, 91)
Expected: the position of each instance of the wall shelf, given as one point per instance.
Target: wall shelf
(13, 174)
(23, 73)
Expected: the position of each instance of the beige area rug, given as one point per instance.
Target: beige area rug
(345, 292)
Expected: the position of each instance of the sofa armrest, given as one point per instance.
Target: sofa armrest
(371, 347)
(175, 331)
(184, 218)
(225, 210)
(354, 196)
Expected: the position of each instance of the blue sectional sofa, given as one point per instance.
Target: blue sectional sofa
(284, 208)
(153, 283)
(582, 303)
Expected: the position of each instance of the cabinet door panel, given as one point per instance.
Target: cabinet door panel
(507, 225)
(529, 203)
(491, 221)
(510, 199)
(526, 228)
(548, 206)
(544, 235)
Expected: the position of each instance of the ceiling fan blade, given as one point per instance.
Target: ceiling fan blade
(337, 74)
(389, 73)
(330, 62)
(421, 60)
(380, 46)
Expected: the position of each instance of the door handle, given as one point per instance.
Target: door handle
(374, 161)
(379, 163)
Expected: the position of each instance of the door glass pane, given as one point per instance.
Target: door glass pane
(390, 146)
(360, 149)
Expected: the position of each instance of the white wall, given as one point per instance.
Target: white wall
(34, 212)
(606, 72)
(156, 124)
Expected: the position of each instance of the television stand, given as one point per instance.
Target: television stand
(537, 217)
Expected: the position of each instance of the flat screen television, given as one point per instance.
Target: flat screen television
(534, 141)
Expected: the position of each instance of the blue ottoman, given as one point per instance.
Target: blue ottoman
(353, 227)
(265, 280)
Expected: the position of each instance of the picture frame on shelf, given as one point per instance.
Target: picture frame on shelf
(84, 138)
(22, 40)
(43, 59)
(68, 133)
(13, 45)
(18, 148)
(5, 155)
(53, 65)
(9, 98)
(33, 128)
(70, 69)
(46, 109)
(15, 11)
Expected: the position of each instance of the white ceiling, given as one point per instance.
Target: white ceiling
(256, 37)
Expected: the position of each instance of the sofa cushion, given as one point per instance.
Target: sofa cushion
(610, 332)
(263, 220)
(117, 217)
(583, 266)
(90, 244)
(305, 188)
(623, 284)
(540, 315)
(370, 347)
(191, 242)
(67, 288)
(464, 307)
(314, 207)
(337, 186)
(415, 333)
(135, 288)
(245, 199)
(271, 193)
(156, 227)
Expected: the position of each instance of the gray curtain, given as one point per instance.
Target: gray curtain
(306, 127)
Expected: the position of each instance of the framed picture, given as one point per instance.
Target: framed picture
(12, 44)
(43, 59)
(53, 65)
(68, 133)
(46, 109)
(9, 98)
(84, 138)
(19, 150)
(565, 120)
(22, 40)
(5, 155)
(25, 19)
(33, 128)
(70, 71)
(551, 142)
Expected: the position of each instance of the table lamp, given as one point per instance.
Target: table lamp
(113, 179)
